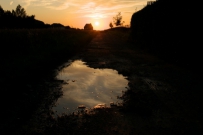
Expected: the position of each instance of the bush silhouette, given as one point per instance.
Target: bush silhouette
(111, 25)
(88, 27)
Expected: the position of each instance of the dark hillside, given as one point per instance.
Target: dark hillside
(169, 29)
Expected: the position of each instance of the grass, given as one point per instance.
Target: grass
(40, 45)
(29, 59)
(30, 49)
(161, 99)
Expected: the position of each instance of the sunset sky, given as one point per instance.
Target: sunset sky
(76, 13)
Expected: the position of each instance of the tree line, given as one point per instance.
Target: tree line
(18, 19)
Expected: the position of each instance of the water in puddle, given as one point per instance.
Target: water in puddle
(88, 87)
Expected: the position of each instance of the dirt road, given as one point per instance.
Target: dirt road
(164, 98)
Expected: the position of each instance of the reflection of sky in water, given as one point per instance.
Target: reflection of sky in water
(88, 86)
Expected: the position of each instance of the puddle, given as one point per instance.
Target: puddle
(88, 87)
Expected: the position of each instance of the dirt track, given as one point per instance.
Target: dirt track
(161, 99)
(169, 96)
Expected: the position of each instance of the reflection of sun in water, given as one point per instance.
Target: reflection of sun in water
(96, 23)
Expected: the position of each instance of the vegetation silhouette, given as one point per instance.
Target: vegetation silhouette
(18, 19)
(167, 28)
(28, 57)
(88, 26)
(19, 12)
(117, 20)
(111, 25)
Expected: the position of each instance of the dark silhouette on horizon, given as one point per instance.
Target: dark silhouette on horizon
(88, 26)
(168, 28)
(110, 25)
(18, 19)
(117, 20)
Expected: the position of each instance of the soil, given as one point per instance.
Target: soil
(162, 98)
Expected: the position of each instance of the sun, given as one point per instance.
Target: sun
(96, 23)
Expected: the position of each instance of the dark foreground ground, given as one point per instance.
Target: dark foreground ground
(162, 98)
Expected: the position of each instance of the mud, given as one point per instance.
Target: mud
(161, 98)
(167, 95)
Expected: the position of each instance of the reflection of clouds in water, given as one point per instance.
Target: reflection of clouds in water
(92, 86)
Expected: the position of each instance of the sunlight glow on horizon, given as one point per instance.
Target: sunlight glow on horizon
(96, 23)
(76, 13)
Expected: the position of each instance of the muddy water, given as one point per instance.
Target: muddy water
(88, 87)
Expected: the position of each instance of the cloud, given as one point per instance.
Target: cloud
(89, 7)
(11, 2)
(52, 4)
(27, 3)
(62, 5)
(104, 9)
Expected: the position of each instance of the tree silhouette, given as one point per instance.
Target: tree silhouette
(88, 26)
(17, 19)
(19, 12)
(1, 11)
(117, 20)
(7, 13)
(111, 25)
